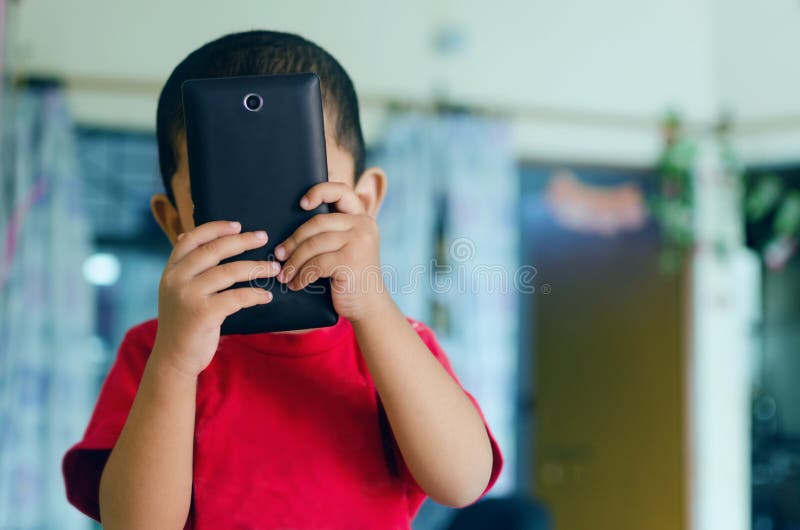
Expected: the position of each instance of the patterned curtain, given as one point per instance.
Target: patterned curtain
(449, 232)
(46, 311)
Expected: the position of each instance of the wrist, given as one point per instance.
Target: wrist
(376, 308)
(166, 364)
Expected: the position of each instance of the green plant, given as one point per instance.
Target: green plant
(769, 201)
(672, 203)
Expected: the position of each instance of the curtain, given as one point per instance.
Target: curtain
(449, 232)
(46, 311)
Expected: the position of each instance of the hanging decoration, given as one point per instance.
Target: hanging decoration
(672, 203)
(770, 204)
(773, 205)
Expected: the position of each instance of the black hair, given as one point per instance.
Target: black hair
(254, 53)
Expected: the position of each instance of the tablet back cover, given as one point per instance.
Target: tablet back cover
(254, 167)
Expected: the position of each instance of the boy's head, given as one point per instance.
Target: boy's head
(254, 53)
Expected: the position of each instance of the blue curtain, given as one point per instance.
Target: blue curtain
(449, 232)
(46, 311)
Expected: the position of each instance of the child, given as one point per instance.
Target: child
(349, 426)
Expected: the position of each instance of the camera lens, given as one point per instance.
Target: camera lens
(253, 102)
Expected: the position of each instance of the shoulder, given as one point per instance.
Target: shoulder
(141, 335)
(422, 330)
(428, 336)
(137, 343)
(420, 327)
(125, 372)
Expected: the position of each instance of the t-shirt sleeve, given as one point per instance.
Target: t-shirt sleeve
(83, 463)
(429, 338)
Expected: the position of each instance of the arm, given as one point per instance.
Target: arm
(438, 430)
(147, 479)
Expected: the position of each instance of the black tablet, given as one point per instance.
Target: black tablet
(256, 144)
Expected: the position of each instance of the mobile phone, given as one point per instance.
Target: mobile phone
(256, 144)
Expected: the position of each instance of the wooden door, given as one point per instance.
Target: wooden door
(609, 381)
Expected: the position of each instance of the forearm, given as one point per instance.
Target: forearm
(438, 430)
(147, 480)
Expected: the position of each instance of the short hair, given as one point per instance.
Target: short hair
(254, 53)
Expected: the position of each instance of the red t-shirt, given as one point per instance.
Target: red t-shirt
(286, 435)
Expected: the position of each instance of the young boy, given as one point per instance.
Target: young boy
(349, 426)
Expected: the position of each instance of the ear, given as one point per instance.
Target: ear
(166, 215)
(371, 189)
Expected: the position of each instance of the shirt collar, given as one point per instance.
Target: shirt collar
(306, 342)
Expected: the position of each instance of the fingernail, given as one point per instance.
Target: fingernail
(180, 236)
(268, 296)
(275, 266)
(304, 202)
(235, 225)
(280, 252)
(260, 234)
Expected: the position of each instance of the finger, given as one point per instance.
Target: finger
(228, 302)
(320, 266)
(188, 241)
(223, 276)
(317, 244)
(210, 254)
(339, 194)
(323, 222)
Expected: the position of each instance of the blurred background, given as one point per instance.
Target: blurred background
(632, 169)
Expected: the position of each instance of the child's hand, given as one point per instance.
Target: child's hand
(191, 307)
(342, 246)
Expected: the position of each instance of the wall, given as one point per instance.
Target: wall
(758, 75)
(590, 80)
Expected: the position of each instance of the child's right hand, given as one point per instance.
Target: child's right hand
(191, 302)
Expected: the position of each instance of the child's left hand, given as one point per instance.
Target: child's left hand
(342, 245)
